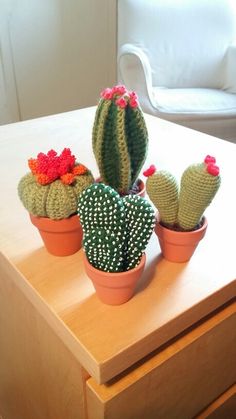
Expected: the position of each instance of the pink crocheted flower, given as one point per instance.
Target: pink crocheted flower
(121, 102)
(212, 169)
(107, 93)
(209, 159)
(120, 90)
(133, 95)
(150, 171)
(133, 103)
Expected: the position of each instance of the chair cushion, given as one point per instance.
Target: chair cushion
(197, 101)
(185, 40)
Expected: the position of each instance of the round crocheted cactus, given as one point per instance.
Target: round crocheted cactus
(115, 230)
(54, 185)
(120, 138)
(199, 184)
(183, 208)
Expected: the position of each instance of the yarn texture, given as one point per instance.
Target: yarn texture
(183, 207)
(120, 138)
(115, 230)
(54, 185)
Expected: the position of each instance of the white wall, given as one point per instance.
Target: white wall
(63, 52)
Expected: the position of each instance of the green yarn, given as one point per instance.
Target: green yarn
(197, 190)
(120, 140)
(140, 220)
(183, 208)
(162, 189)
(54, 200)
(115, 230)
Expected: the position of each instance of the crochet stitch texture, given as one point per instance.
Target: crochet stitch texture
(54, 185)
(184, 207)
(115, 230)
(120, 138)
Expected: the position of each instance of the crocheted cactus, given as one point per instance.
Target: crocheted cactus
(120, 138)
(199, 184)
(184, 209)
(162, 189)
(140, 221)
(115, 230)
(54, 185)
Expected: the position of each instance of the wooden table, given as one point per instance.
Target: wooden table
(167, 353)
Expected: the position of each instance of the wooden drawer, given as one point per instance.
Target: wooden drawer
(178, 381)
(224, 407)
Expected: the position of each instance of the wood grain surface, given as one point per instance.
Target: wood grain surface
(169, 298)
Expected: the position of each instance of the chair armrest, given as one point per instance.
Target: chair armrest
(135, 72)
(230, 82)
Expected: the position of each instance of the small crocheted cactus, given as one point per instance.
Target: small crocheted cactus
(163, 191)
(183, 208)
(199, 184)
(54, 184)
(115, 230)
(120, 138)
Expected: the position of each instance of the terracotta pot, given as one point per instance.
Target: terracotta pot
(179, 246)
(61, 237)
(142, 188)
(114, 288)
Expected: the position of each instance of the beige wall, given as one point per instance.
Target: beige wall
(61, 54)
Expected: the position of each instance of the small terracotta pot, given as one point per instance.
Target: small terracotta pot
(61, 237)
(179, 246)
(142, 188)
(114, 288)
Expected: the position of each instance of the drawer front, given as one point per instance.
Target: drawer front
(224, 407)
(179, 381)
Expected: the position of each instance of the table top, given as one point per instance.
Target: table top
(170, 297)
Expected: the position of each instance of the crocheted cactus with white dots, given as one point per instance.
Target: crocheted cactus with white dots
(140, 221)
(102, 216)
(120, 138)
(115, 230)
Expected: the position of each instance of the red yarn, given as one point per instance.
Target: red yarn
(150, 171)
(209, 159)
(49, 167)
(212, 169)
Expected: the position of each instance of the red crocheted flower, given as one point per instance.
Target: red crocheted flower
(209, 159)
(120, 96)
(49, 167)
(150, 171)
(121, 102)
(212, 169)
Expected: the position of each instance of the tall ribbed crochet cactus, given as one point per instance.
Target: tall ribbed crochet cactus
(183, 207)
(54, 184)
(120, 138)
(116, 230)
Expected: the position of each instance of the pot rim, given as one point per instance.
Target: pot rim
(49, 224)
(182, 233)
(114, 274)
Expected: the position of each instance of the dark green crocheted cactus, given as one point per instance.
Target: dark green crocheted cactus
(54, 185)
(184, 209)
(120, 138)
(115, 230)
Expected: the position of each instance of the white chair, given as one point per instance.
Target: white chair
(180, 57)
